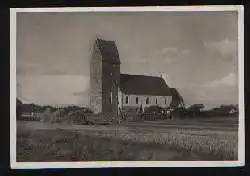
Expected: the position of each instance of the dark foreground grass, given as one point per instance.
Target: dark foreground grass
(63, 145)
(202, 140)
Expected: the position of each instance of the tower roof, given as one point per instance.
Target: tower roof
(108, 50)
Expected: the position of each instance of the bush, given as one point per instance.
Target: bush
(154, 109)
(78, 117)
(154, 113)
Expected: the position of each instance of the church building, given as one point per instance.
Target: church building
(110, 90)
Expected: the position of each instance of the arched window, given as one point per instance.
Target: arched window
(126, 100)
(137, 100)
(155, 100)
(147, 100)
(110, 98)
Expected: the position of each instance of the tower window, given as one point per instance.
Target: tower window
(147, 100)
(110, 98)
(137, 100)
(155, 100)
(126, 100)
(165, 101)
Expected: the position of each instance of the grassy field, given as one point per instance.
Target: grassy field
(184, 140)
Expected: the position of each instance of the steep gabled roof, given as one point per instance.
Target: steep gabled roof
(144, 85)
(177, 99)
(108, 51)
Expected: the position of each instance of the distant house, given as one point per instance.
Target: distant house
(226, 110)
(111, 90)
(232, 111)
(30, 108)
(28, 111)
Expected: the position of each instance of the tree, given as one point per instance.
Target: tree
(47, 115)
(18, 102)
(18, 108)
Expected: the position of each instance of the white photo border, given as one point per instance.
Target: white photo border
(98, 164)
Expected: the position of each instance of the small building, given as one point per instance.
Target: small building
(111, 90)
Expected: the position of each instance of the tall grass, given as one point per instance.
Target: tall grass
(56, 145)
(124, 144)
(219, 146)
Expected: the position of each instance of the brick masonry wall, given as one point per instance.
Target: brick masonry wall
(95, 100)
(110, 81)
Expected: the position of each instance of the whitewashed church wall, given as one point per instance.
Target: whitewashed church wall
(142, 100)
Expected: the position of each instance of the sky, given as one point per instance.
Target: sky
(197, 51)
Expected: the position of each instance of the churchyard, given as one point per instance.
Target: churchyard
(213, 138)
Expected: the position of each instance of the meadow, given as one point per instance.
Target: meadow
(167, 140)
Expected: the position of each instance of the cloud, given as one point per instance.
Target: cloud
(171, 54)
(165, 51)
(225, 47)
(171, 50)
(53, 89)
(168, 54)
(53, 67)
(229, 80)
(185, 52)
(220, 91)
(81, 93)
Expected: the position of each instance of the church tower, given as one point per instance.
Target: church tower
(104, 78)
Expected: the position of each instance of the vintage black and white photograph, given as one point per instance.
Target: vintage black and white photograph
(95, 86)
